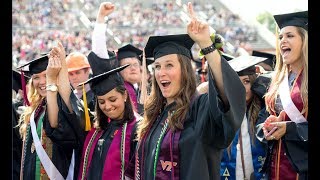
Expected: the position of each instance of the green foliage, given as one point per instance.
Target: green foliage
(217, 40)
(267, 19)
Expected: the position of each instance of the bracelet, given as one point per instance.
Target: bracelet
(208, 49)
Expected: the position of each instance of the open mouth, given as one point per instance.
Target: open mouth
(285, 51)
(165, 83)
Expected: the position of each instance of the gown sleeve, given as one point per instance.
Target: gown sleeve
(67, 133)
(215, 122)
(296, 140)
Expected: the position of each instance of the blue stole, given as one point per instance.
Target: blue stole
(228, 165)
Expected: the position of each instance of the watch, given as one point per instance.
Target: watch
(208, 49)
(52, 87)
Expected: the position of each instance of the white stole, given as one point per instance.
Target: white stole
(247, 155)
(287, 104)
(51, 170)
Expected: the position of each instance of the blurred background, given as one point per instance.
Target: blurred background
(245, 25)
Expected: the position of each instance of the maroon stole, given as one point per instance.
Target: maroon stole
(132, 94)
(168, 162)
(284, 167)
(112, 164)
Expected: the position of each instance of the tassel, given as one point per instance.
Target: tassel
(23, 83)
(87, 126)
(143, 95)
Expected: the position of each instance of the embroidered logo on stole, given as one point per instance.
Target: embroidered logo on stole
(167, 165)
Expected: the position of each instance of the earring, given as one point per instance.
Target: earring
(125, 100)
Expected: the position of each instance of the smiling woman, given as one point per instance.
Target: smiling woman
(287, 102)
(180, 126)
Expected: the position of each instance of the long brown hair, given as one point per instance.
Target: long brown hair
(253, 109)
(156, 102)
(281, 69)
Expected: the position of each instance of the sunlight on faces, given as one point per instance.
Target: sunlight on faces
(131, 74)
(39, 83)
(290, 45)
(168, 75)
(112, 104)
(78, 76)
(246, 83)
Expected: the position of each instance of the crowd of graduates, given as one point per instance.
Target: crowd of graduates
(176, 107)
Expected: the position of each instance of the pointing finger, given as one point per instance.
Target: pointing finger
(190, 10)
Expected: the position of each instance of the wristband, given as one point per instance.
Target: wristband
(208, 49)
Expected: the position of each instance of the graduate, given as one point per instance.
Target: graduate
(284, 124)
(48, 138)
(183, 133)
(107, 146)
(244, 158)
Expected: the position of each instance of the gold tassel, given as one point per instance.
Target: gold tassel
(87, 126)
(143, 88)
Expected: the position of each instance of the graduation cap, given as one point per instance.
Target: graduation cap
(105, 82)
(271, 58)
(128, 51)
(149, 61)
(227, 57)
(158, 46)
(299, 19)
(244, 65)
(16, 80)
(100, 65)
(37, 65)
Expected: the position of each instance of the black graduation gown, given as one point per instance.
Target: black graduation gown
(78, 125)
(99, 155)
(208, 129)
(63, 142)
(16, 144)
(295, 142)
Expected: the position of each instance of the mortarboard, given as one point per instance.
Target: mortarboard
(131, 51)
(299, 19)
(16, 80)
(244, 65)
(227, 57)
(37, 65)
(158, 46)
(100, 65)
(128, 51)
(105, 82)
(271, 57)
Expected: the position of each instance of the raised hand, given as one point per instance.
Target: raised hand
(105, 9)
(53, 68)
(198, 30)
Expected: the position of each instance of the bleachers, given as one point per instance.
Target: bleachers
(37, 23)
